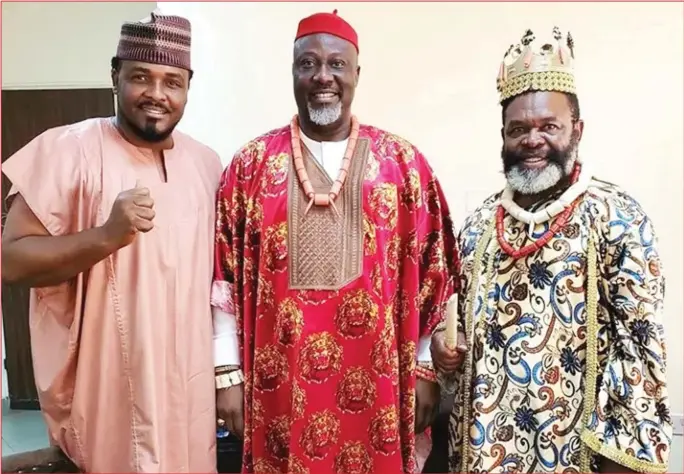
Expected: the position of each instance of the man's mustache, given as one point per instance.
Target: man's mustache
(554, 155)
(512, 158)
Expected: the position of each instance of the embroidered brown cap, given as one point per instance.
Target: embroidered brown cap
(157, 39)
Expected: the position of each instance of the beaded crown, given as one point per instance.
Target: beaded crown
(538, 65)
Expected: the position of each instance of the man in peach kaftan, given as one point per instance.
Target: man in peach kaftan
(112, 226)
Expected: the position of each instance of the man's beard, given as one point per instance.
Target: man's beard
(325, 115)
(526, 181)
(149, 132)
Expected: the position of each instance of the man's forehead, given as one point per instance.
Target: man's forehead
(153, 68)
(540, 103)
(322, 42)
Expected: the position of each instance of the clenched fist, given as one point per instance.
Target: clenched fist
(132, 212)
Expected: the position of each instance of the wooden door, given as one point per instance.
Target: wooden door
(25, 115)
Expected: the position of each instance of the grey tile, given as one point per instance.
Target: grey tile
(24, 430)
(30, 444)
(6, 448)
(677, 455)
(5, 407)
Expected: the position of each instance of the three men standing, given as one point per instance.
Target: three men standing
(334, 256)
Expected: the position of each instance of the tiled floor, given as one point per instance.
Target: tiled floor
(25, 431)
(22, 430)
(677, 455)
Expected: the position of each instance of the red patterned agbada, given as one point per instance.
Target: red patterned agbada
(330, 308)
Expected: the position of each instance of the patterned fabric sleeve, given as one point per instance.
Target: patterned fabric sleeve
(230, 222)
(437, 244)
(435, 271)
(631, 423)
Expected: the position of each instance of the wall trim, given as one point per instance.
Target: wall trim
(56, 85)
(678, 424)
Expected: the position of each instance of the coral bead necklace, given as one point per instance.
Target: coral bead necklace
(561, 210)
(322, 199)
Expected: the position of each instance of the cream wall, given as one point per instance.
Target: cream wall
(48, 45)
(428, 73)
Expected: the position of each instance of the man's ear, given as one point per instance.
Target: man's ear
(115, 80)
(579, 126)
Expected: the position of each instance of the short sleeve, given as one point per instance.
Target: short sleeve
(631, 423)
(50, 174)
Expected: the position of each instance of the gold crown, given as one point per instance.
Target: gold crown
(540, 65)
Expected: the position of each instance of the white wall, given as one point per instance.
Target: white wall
(49, 45)
(59, 45)
(429, 73)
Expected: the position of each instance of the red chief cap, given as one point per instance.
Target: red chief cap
(327, 23)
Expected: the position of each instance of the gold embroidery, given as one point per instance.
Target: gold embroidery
(325, 251)
(467, 376)
(289, 322)
(353, 458)
(320, 435)
(592, 442)
(385, 203)
(591, 373)
(356, 392)
(278, 437)
(320, 358)
(357, 315)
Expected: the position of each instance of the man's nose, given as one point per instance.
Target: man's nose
(533, 139)
(155, 90)
(323, 75)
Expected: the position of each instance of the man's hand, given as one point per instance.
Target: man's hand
(132, 212)
(229, 408)
(447, 361)
(427, 400)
